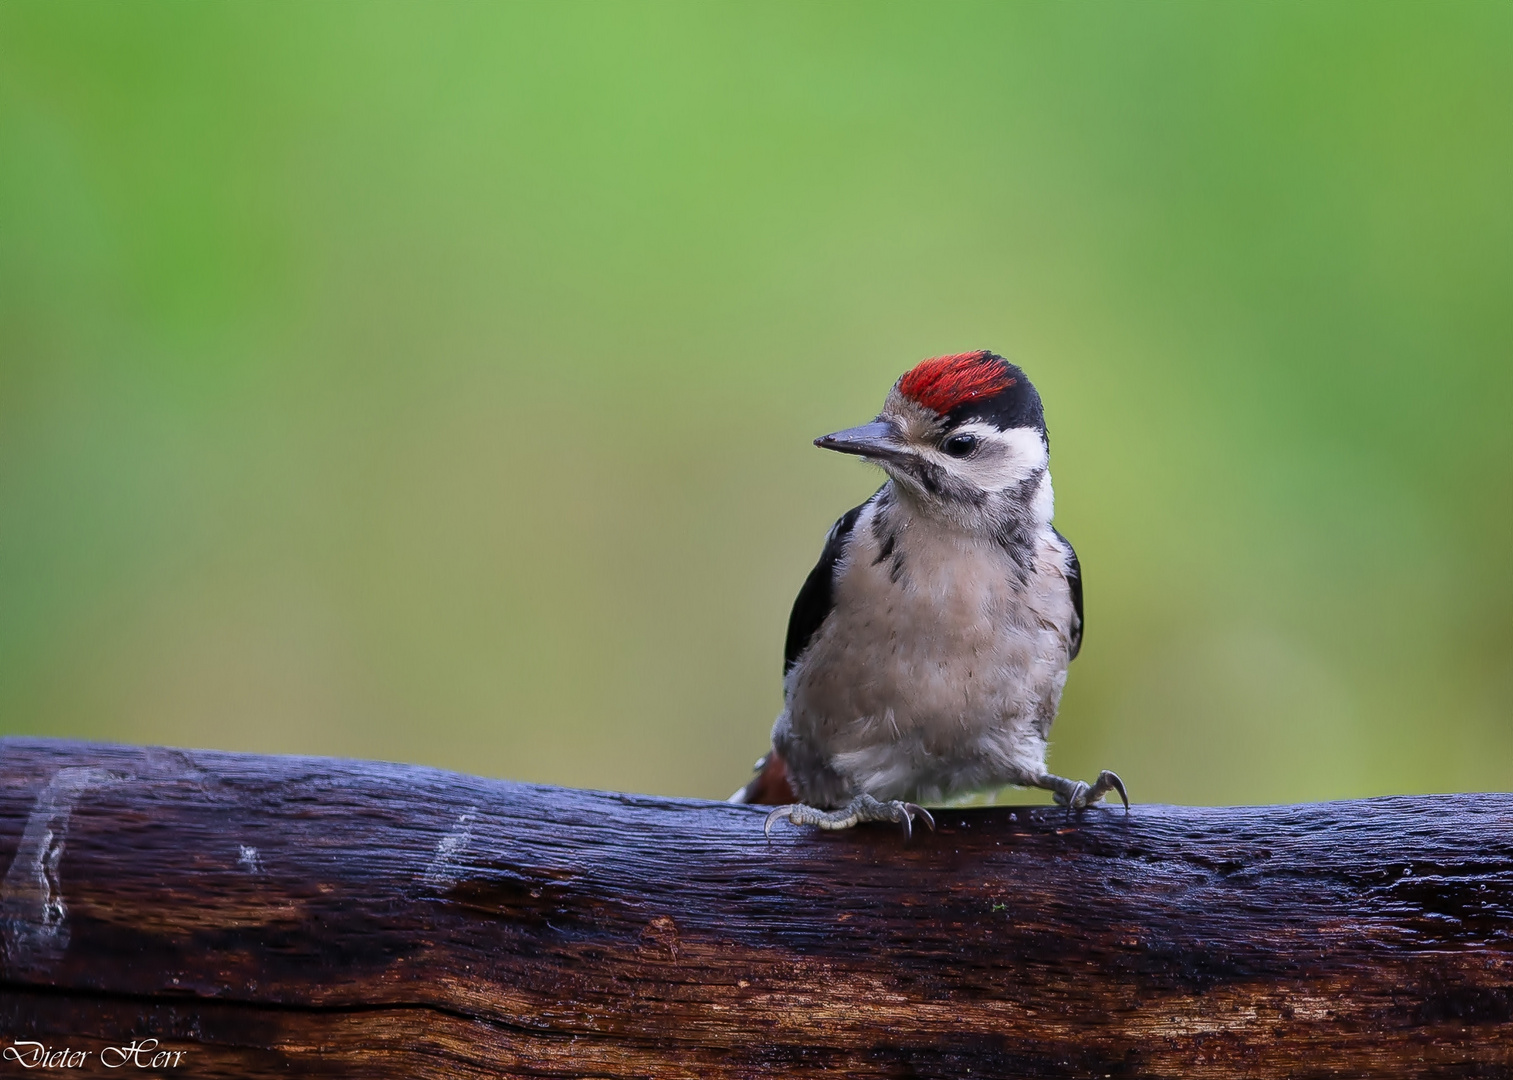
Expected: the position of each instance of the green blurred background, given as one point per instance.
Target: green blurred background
(436, 382)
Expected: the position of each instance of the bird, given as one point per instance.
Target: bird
(927, 650)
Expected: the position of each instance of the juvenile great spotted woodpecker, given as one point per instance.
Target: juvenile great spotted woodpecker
(928, 649)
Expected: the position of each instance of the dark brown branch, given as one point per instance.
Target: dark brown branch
(298, 916)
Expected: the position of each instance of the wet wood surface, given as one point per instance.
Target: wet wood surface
(263, 916)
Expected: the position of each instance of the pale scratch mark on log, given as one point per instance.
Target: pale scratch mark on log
(32, 911)
(446, 864)
(249, 860)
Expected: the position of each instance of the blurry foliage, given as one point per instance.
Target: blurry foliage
(436, 382)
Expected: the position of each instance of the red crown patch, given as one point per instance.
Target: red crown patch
(944, 382)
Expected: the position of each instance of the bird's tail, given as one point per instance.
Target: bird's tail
(769, 787)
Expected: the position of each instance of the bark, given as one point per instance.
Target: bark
(298, 916)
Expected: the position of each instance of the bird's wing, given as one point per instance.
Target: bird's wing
(1074, 582)
(817, 597)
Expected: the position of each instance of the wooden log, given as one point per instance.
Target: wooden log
(265, 916)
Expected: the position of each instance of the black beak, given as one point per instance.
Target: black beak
(878, 439)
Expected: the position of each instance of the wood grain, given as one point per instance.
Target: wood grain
(300, 916)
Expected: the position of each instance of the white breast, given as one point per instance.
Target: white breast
(939, 670)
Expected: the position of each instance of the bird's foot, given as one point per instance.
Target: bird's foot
(861, 809)
(1078, 794)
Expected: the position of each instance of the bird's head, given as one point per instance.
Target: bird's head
(961, 434)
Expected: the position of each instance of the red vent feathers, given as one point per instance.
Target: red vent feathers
(944, 382)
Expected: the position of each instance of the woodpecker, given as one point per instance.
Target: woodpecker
(927, 651)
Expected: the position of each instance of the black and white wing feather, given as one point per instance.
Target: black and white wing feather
(817, 598)
(1074, 582)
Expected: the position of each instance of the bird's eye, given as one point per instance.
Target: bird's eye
(959, 445)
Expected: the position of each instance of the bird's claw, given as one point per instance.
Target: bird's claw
(1079, 795)
(1075, 797)
(861, 809)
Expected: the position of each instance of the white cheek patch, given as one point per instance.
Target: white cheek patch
(1043, 501)
(1003, 459)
